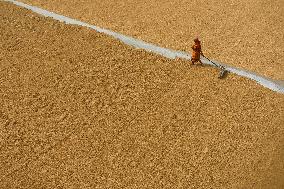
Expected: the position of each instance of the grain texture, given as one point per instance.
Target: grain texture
(246, 34)
(82, 110)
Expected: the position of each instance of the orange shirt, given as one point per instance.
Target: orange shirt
(196, 51)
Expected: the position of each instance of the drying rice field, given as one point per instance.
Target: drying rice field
(79, 109)
(246, 34)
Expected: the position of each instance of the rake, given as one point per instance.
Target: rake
(223, 71)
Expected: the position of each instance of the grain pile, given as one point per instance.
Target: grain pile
(82, 110)
(247, 34)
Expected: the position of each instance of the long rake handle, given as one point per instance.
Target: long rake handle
(211, 61)
(222, 72)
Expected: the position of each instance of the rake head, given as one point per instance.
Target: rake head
(223, 72)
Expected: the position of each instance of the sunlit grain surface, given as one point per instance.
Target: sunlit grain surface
(82, 110)
(246, 34)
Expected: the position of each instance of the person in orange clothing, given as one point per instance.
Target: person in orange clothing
(196, 51)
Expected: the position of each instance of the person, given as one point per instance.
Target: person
(196, 52)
